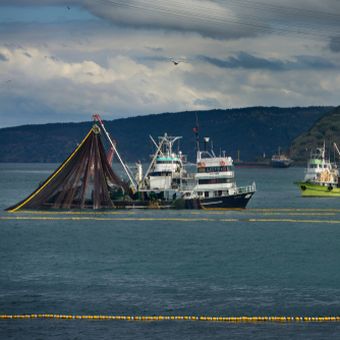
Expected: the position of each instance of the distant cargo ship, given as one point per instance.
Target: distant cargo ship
(262, 162)
(280, 160)
(254, 164)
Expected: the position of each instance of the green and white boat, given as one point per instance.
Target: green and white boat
(322, 176)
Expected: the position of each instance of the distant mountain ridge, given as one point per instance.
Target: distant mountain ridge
(253, 131)
(327, 129)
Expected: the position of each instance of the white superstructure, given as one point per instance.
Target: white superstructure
(215, 175)
(320, 169)
(166, 168)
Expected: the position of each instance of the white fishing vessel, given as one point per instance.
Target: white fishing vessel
(321, 175)
(215, 185)
(212, 185)
(86, 179)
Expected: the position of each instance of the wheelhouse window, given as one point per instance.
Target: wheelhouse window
(214, 180)
(215, 169)
(159, 161)
(161, 173)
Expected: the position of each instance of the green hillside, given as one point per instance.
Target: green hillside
(327, 129)
(253, 131)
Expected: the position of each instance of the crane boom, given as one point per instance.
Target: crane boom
(336, 148)
(159, 148)
(97, 118)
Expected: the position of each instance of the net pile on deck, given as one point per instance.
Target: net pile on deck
(83, 180)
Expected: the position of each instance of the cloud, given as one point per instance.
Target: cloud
(207, 102)
(155, 49)
(334, 44)
(207, 18)
(65, 71)
(123, 87)
(3, 57)
(248, 61)
(212, 18)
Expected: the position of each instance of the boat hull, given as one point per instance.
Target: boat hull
(237, 201)
(242, 164)
(317, 190)
(281, 163)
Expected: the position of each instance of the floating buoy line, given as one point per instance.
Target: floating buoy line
(252, 215)
(225, 319)
(166, 219)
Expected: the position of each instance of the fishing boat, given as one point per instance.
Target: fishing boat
(214, 182)
(86, 180)
(321, 175)
(280, 160)
(161, 185)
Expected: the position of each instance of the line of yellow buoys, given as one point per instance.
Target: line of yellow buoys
(72, 212)
(226, 319)
(164, 219)
(92, 218)
(262, 211)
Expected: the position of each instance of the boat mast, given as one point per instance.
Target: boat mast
(324, 150)
(196, 131)
(97, 118)
(159, 148)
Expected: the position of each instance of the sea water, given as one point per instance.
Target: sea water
(279, 257)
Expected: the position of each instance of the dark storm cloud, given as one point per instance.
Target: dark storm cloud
(100, 62)
(334, 44)
(205, 17)
(211, 18)
(36, 2)
(248, 61)
(244, 60)
(311, 62)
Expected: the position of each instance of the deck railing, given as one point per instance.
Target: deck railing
(245, 189)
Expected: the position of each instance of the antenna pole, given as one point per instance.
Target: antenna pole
(159, 148)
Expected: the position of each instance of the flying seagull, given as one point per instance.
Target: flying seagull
(176, 62)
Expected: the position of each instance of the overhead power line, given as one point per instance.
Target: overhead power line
(314, 29)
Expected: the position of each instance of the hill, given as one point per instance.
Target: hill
(327, 129)
(253, 131)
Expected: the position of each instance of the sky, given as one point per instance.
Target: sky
(62, 61)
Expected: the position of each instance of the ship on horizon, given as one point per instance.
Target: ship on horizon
(280, 160)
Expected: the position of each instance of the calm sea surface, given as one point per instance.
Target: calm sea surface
(265, 260)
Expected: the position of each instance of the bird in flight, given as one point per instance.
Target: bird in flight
(176, 62)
